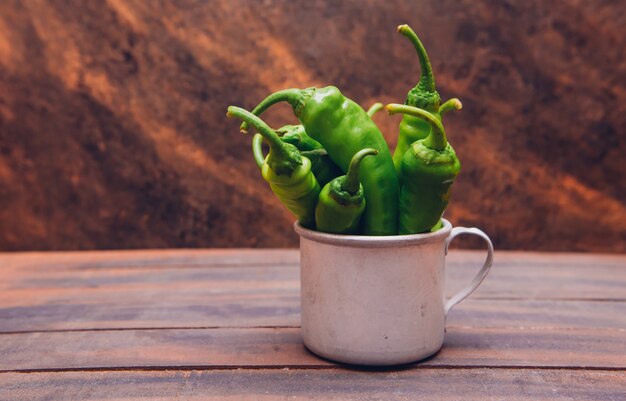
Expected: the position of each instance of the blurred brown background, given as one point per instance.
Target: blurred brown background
(113, 131)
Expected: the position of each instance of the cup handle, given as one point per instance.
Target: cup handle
(480, 276)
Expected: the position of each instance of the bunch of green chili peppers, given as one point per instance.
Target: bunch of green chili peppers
(335, 172)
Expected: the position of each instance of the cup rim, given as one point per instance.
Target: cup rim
(373, 241)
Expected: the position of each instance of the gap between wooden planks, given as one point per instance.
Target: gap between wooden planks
(283, 347)
(515, 274)
(267, 310)
(193, 289)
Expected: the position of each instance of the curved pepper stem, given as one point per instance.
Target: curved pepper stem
(451, 104)
(437, 138)
(427, 78)
(352, 183)
(375, 108)
(283, 158)
(257, 149)
(287, 95)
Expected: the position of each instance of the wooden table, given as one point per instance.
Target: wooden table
(212, 324)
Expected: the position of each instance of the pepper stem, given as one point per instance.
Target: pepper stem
(427, 78)
(437, 138)
(257, 149)
(314, 152)
(375, 108)
(351, 183)
(452, 104)
(284, 158)
(286, 95)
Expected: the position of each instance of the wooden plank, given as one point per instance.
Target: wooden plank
(515, 274)
(542, 276)
(513, 314)
(210, 304)
(201, 306)
(79, 296)
(82, 296)
(283, 347)
(134, 297)
(324, 384)
(246, 256)
(149, 258)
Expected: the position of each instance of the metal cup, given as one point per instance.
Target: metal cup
(370, 300)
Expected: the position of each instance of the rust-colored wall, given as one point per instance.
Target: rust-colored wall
(113, 134)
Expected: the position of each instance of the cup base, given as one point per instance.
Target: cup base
(360, 359)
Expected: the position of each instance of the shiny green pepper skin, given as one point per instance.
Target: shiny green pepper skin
(341, 202)
(296, 135)
(298, 192)
(424, 96)
(323, 168)
(288, 173)
(429, 168)
(344, 128)
(333, 217)
(428, 176)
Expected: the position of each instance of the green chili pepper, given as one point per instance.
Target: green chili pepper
(293, 134)
(428, 170)
(323, 168)
(296, 135)
(341, 202)
(288, 173)
(343, 128)
(423, 95)
(437, 226)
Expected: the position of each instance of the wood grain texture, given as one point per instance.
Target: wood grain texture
(251, 288)
(282, 347)
(190, 325)
(112, 127)
(269, 309)
(324, 384)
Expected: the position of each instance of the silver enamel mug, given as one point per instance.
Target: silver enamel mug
(378, 300)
